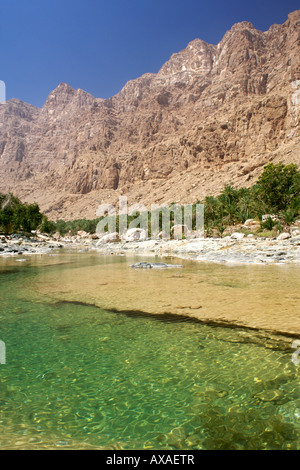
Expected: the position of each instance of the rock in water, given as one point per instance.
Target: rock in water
(155, 265)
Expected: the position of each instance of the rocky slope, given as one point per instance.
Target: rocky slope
(213, 114)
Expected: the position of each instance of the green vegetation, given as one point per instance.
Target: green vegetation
(279, 188)
(73, 226)
(16, 216)
(277, 192)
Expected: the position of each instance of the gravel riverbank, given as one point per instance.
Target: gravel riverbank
(16, 245)
(226, 250)
(219, 250)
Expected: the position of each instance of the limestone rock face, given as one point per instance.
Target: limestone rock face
(212, 115)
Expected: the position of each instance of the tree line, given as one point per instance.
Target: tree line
(277, 191)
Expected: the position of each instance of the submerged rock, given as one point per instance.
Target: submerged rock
(269, 395)
(155, 265)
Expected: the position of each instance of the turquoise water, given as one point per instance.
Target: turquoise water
(77, 375)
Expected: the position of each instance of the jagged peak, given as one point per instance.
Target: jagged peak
(197, 43)
(245, 28)
(242, 25)
(294, 16)
(196, 57)
(63, 87)
(64, 94)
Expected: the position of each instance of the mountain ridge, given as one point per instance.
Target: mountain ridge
(211, 115)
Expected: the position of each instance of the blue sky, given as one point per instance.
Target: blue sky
(98, 45)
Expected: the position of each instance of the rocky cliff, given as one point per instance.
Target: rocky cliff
(212, 115)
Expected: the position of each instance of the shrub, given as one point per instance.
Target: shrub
(47, 226)
(279, 186)
(268, 224)
(17, 216)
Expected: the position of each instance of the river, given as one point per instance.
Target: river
(100, 355)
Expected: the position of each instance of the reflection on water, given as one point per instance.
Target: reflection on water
(81, 376)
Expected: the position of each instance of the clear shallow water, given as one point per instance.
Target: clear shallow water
(78, 375)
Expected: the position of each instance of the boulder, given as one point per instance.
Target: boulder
(109, 238)
(284, 236)
(237, 236)
(135, 234)
(179, 230)
(249, 222)
(82, 234)
(45, 238)
(163, 235)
